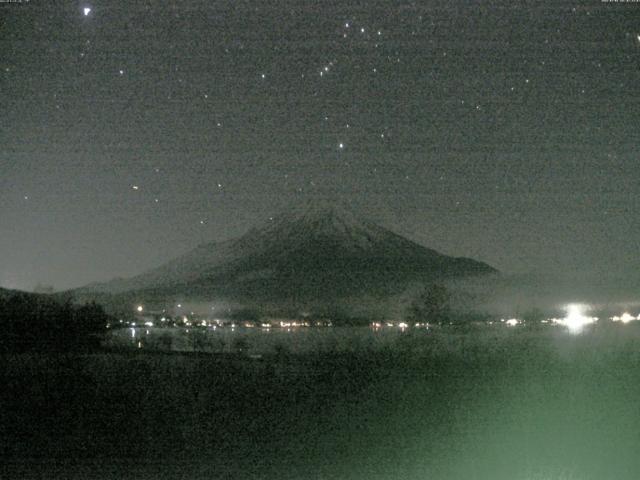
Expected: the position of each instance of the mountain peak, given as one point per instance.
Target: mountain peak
(313, 219)
(319, 208)
(315, 249)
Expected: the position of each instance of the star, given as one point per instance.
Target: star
(86, 11)
(341, 146)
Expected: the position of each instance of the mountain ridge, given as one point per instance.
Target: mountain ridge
(317, 250)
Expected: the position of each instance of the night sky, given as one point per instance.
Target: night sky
(132, 131)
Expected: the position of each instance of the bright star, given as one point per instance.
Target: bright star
(86, 11)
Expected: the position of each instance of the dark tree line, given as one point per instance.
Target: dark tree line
(39, 323)
(432, 305)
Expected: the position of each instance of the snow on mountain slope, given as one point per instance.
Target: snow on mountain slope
(310, 250)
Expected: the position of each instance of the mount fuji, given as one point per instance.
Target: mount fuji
(317, 251)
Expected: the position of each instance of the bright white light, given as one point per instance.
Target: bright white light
(140, 308)
(341, 146)
(576, 320)
(512, 322)
(402, 325)
(86, 11)
(626, 317)
(133, 333)
(148, 324)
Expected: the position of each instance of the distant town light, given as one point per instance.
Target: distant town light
(86, 11)
(576, 320)
(139, 308)
(512, 322)
(626, 317)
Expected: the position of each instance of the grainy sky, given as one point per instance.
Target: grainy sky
(131, 131)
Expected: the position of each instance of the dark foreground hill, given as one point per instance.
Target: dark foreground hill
(38, 322)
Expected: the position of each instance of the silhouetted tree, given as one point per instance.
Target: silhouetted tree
(33, 322)
(432, 305)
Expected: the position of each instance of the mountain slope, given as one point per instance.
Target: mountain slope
(317, 251)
